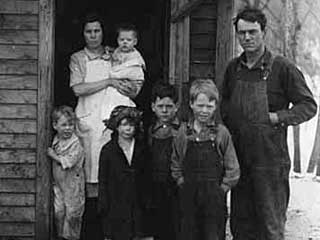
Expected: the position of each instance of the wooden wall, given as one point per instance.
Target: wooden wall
(23, 97)
(18, 117)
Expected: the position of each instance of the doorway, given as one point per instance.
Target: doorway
(151, 17)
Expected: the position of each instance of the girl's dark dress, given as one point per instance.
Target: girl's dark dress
(122, 190)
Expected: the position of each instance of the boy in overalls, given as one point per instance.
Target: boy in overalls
(165, 126)
(204, 166)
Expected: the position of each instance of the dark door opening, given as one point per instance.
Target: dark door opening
(149, 16)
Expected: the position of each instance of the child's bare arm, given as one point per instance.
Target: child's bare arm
(53, 155)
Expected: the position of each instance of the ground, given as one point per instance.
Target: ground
(303, 216)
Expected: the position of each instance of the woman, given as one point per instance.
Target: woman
(89, 76)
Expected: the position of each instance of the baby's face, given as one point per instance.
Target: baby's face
(127, 40)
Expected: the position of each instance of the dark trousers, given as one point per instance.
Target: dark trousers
(203, 212)
(165, 211)
(259, 203)
(91, 223)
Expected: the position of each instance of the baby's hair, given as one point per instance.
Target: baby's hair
(126, 27)
(163, 90)
(62, 111)
(205, 86)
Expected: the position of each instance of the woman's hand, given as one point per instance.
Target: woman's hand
(124, 86)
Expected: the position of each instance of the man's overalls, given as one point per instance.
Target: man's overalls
(202, 198)
(260, 199)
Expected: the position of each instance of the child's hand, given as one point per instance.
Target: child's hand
(51, 152)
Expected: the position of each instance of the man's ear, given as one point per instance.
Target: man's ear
(152, 107)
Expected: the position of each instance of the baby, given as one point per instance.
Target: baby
(127, 63)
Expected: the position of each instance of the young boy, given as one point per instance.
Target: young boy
(122, 176)
(204, 166)
(164, 106)
(68, 174)
(127, 63)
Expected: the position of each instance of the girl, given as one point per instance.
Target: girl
(123, 178)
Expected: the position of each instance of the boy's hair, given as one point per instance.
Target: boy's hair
(163, 90)
(62, 111)
(205, 86)
(251, 15)
(126, 27)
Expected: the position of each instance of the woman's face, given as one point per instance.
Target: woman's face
(93, 35)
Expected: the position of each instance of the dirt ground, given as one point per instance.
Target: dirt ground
(303, 216)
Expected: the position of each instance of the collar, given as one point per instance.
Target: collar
(103, 54)
(263, 62)
(210, 125)
(174, 124)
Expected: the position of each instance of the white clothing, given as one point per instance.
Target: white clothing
(89, 108)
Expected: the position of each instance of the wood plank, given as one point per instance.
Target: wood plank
(225, 38)
(205, 10)
(18, 126)
(197, 54)
(202, 70)
(19, 7)
(17, 141)
(18, 66)
(23, 141)
(18, 111)
(17, 199)
(18, 52)
(18, 96)
(202, 26)
(17, 214)
(18, 37)
(18, 82)
(21, 22)
(45, 103)
(15, 237)
(17, 186)
(206, 41)
(16, 231)
(17, 171)
(17, 156)
(185, 10)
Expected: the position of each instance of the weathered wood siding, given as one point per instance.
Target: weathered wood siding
(202, 48)
(18, 117)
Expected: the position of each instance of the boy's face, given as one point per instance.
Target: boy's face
(165, 109)
(64, 127)
(203, 109)
(127, 40)
(126, 129)
(93, 35)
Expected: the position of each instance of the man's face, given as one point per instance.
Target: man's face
(127, 40)
(93, 35)
(250, 35)
(165, 109)
(203, 109)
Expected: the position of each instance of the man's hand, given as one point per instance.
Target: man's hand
(274, 119)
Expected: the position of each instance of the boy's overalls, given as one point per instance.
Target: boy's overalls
(202, 198)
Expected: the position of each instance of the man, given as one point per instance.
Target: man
(257, 90)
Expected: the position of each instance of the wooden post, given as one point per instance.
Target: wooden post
(45, 101)
(225, 38)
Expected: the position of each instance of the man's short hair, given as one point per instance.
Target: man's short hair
(251, 15)
(163, 90)
(205, 86)
(126, 27)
